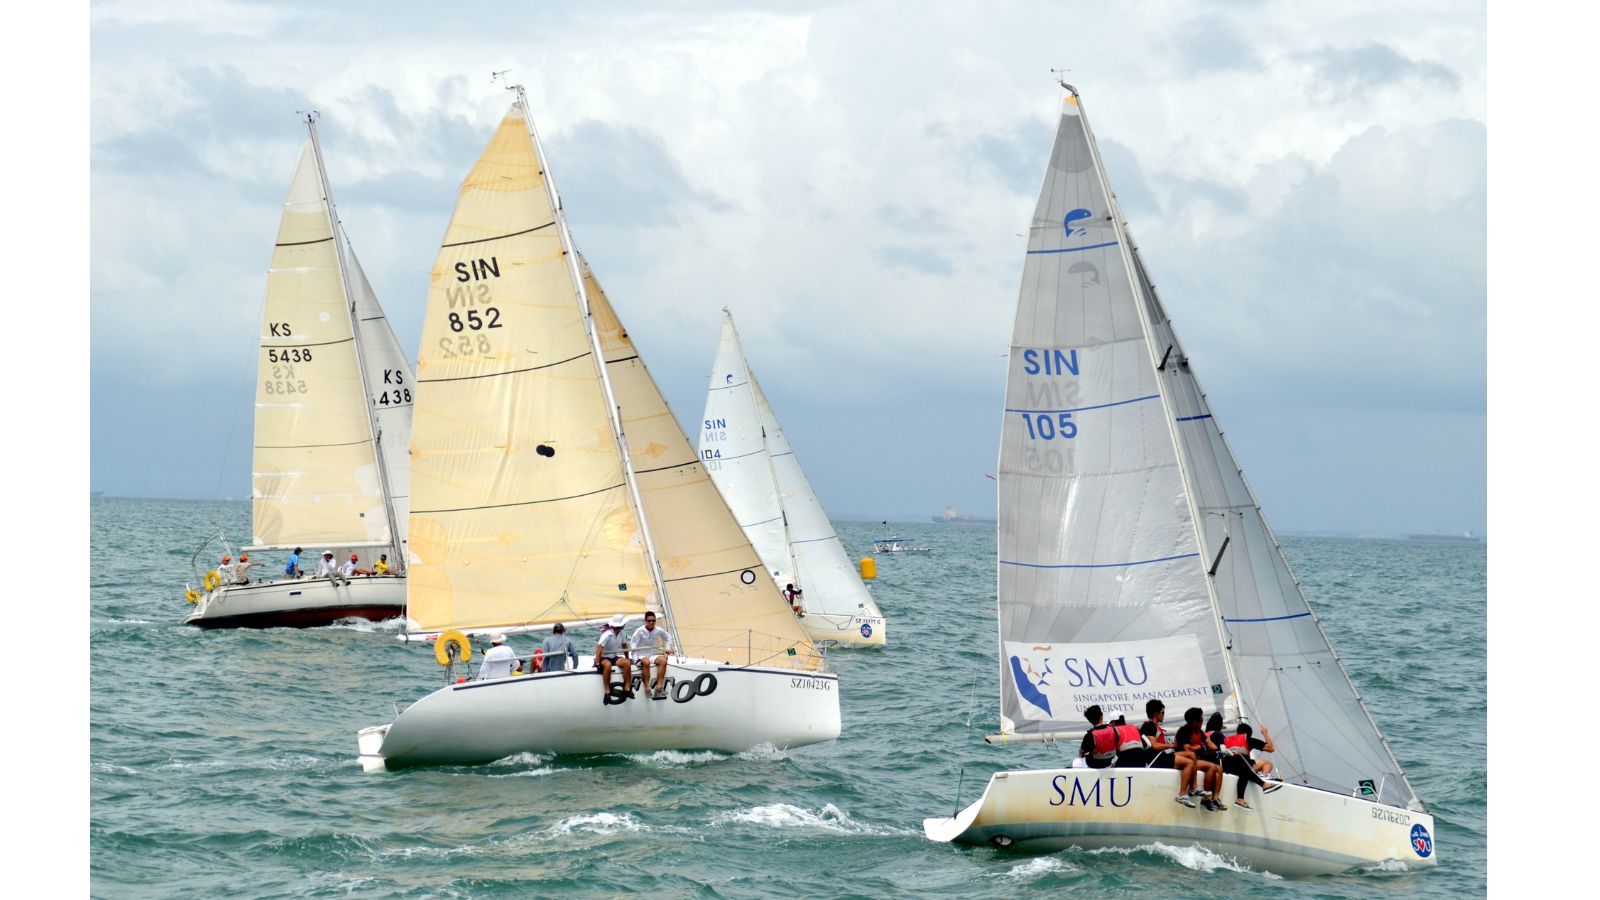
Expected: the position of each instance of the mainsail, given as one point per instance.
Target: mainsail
(1109, 591)
(759, 475)
(522, 499)
(316, 475)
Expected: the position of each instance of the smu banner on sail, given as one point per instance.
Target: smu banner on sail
(1059, 681)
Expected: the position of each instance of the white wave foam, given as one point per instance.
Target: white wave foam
(1200, 859)
(368, 626)
(784, 815)
(527, 773)
(673, 759)
(1034, 869)
(1387, 867)
(765, 751)
(112, 768)
(525, 758)
(597, 823)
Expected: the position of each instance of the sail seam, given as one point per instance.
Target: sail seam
(303, 344)
(830, 537)
(713, 574)
(518, 503)
(726, 387)
(1141, 562)
(302, 446)
(612, 362)
(1075, 249)
(498, 237)
(1269, 618)
(731, 458)
(304, 243)
(681, 465)
(509, 372)
(1082, 408)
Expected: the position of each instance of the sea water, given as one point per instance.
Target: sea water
(223, 763)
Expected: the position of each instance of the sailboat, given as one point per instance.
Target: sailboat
(551, 483)
(1135, 563)
(334, 395)
(750, 460)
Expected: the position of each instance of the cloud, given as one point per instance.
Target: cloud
(1346, 72)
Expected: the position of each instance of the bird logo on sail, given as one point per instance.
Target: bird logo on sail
(1029, 683)
(1076, 215)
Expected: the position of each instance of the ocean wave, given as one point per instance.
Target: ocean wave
(602, 823)
(1034, 869)
(783, 815)
(674, 759)
(367, 626)
(1190, 856)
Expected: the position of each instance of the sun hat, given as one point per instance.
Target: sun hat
(497, 638)
(355, 556)
(618, 620)
(327, 553)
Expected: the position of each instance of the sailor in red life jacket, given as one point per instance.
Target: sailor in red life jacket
(1132, 748)
(1191, 739)
(1163, 753)
(1236, 761)
(1099, 748)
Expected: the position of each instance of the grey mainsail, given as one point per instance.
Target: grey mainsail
(1109, 592)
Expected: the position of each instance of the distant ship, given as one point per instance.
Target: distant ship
(952, 515)
(1445, 536)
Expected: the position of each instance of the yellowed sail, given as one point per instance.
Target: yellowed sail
(723, 603)
(520, 511)
(314, 475)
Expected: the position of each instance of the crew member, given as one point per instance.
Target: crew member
(1099, 747)
(1132, 748)
(1191, 740)
(651, 646)
(498, 660)
(241, 569)
(327, 568)
(612, 651)
(558, 651)
(1237, 761)
(292, 570)
(381, 567)
(791, 594)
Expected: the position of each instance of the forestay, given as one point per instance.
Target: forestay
(1108, 591)
(314, 471)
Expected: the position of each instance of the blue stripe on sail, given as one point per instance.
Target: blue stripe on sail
(1193, 418)
(1142, 562)
(1270, 619)
(1076, 249)
(1082, 408)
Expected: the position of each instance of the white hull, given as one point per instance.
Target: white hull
(300, 603)
(562, 712)
(1293, 831)
(866, 630)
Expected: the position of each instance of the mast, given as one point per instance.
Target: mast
(766, 452)
(599, 361)
(1125, 244)
(355, 331)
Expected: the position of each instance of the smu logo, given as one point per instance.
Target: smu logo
(866, 629)
(1421, 841)
(1031, 676)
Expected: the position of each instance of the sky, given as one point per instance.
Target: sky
(1307, 183)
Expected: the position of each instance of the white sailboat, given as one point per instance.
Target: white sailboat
(750, 460)
(1134, 562)
(551, 483)
(332, 428)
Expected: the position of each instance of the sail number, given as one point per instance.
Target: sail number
(291, 355)
(1049, 426)
(475, 322)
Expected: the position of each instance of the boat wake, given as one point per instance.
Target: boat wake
(1033, 869)
(1190, 857)
(783, 815)
(675, 759)
(602, 823)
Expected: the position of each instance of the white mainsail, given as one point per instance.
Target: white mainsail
(752, 463)
(532, 502)
(391, 393)
(1109, 591)
(318, 474)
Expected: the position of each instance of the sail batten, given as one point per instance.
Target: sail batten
(1134, 562)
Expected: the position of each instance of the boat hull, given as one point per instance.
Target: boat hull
(300, 603)
(846, 630)
(1293, 831)
(733, 710)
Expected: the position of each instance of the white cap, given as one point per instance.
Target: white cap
(1117, 714)
(618, 620)
(327, 553)
(497, 638)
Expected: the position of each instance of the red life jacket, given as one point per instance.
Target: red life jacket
(1105, 741)
(1161, 733)
(1237, 743)
(1128, 738)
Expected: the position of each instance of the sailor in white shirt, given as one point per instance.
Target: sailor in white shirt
(327, 568)
(612, 651)
(651, 646)
(498, 660)
(348, 570)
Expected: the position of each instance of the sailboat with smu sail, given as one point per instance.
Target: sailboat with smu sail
(332, 425)
(750, 460)
(551, 483)
(1131, 547)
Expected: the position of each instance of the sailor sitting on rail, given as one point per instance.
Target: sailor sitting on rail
(327, 568)
(1099, 747)
(498, 660)
(610, 652)
(651, 646)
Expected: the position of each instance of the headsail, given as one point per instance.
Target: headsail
(734, 448)
(391, 392)
(1109, 593)
(314, 472)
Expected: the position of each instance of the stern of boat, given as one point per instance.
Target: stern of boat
(369, 746)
